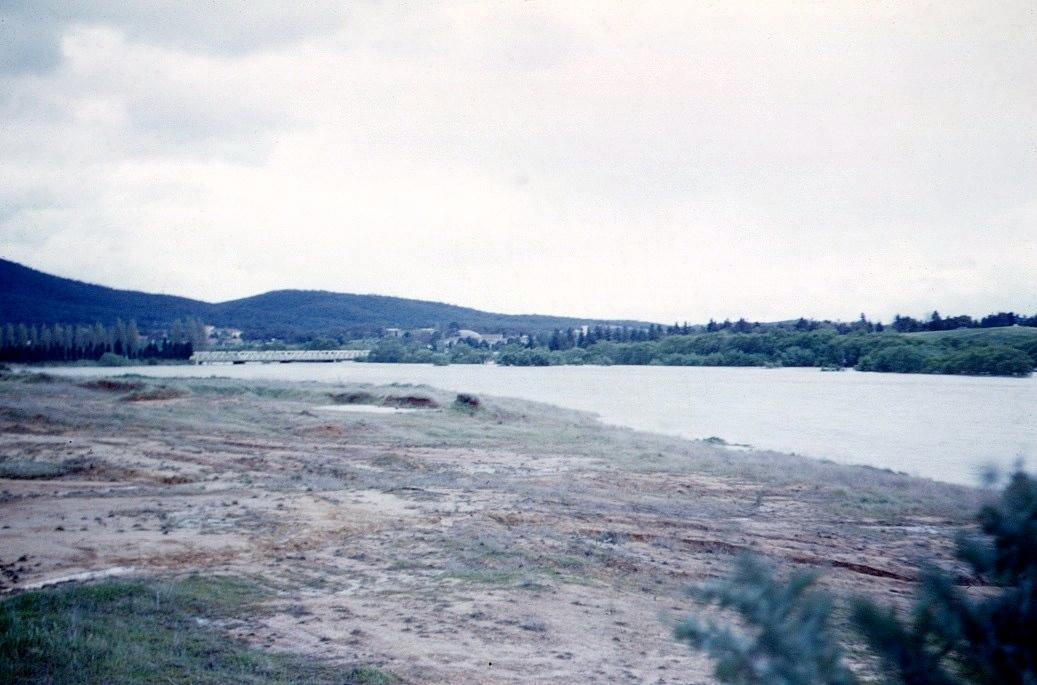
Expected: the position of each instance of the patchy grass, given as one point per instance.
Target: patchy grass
(149, 631)
(17, 468)
(35, 377)
(269, 408)
(366, 675)
(389, 400)
(467, 402)
(356, 397)
(152, 394)
(996, 334)
(113, 385)
(410, 402)
(29, 469)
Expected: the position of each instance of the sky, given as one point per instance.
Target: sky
(661, 161)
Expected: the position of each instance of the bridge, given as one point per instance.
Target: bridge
(274, 356)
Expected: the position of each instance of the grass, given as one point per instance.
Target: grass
(152, 394)
(149, 631)
(17, 468)
(271, 409)
(998, 334)
(113, 385)
(28, 469)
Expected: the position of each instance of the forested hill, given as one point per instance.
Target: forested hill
(33, 297)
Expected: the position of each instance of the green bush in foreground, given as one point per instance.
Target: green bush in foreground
(952, 638)
(792, 643)
(147, 632)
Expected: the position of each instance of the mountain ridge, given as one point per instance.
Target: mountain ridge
(35, 297)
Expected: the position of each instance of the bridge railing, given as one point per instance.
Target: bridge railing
(268, 356)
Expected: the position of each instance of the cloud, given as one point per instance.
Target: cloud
(31, 30)
(660, 161)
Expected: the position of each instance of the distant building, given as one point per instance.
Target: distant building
(393, 332)
(425, 335)
(222, 336)
(474, 338)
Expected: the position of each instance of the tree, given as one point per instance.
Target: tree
(956, 638)
(789, 641)
(895, 359)
(390, 350)
(132, 338)
(952, 637)
(176, 332)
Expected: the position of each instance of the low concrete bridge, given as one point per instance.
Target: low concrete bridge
(274, 356)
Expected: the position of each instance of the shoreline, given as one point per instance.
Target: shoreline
(434, 543)
(849, 418)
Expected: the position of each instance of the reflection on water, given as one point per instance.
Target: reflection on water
(943, 427)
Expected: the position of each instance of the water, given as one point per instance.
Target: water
(941, 427)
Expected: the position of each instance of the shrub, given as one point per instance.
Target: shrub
(524, 357)
(387, 351)
(896, 359)
(359, 397)
(952, 638)
(17, 468)
(29, 469)
(955, 638)
(160, 392)
(112, 385)
(789, 641)
(992, 360)
(467, 402)
(111, 359)
(465, 354)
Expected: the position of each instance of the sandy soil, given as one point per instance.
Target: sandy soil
(511, 543)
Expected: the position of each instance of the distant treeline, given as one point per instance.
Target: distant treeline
(905, 324)
(994, 352)
(1003, 344)
(66, 343)
(563, 339)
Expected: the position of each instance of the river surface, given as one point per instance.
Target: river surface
(941, 427)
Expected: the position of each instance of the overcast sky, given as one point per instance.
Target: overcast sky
(659, 161)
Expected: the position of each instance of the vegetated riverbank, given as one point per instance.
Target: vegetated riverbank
(988, 351)
(977, 352)
(479, 540)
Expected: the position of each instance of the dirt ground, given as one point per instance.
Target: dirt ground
(490, 542)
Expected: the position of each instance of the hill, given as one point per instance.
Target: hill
(33, 297)
(1006, 335)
